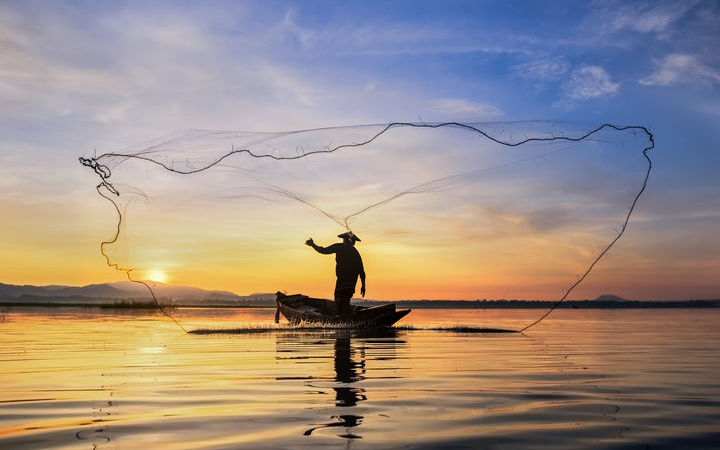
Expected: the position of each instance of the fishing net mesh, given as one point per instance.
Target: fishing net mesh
(444, 210)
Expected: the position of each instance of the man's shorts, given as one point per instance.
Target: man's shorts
(344, 289)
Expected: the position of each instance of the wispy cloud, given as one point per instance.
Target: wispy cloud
(305, 36)
(682, 68)
(159, 70)
(397, 38)
(590, 82)
(461, 109)
(711, 108)
(644, 18)
(548, 69)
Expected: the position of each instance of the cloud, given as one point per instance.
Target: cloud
(305, 36)
(461, 108)
(546, 220)
(590, 82)
(710, 107)
(156, 71)
(682, 68)
(643, 19)
(399, 38)
(543, 69)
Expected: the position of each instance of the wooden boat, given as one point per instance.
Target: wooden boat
(301, 308)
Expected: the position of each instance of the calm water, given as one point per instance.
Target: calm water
(582, 379)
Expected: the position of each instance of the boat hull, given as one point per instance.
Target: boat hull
(301, 308)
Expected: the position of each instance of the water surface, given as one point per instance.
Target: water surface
(74, 378)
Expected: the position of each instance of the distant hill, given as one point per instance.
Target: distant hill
(92, 290)
(610, 298)
(127, 290)
(11, 290)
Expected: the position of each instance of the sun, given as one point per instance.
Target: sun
(157, 276)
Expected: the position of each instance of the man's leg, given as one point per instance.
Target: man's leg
(344, 290)
(343, 306)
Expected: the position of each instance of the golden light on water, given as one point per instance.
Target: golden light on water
(77, 377)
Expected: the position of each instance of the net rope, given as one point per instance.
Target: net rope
(107, 190)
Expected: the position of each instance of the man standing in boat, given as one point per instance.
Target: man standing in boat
(348, 266)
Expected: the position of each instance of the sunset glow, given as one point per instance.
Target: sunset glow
(522, 231)
(157, 276)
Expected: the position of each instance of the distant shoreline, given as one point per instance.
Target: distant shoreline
(131, 296)
(418, 304)
(567, 304)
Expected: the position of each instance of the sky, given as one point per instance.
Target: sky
(83, 78)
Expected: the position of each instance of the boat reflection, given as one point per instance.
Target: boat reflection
(351, 351)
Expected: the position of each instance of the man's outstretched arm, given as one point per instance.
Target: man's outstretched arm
(323, 250)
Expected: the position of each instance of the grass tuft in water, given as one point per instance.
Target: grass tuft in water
(321, 326)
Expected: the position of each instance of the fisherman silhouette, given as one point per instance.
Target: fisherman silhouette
(348, 266)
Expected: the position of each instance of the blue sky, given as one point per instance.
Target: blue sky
(79, 76)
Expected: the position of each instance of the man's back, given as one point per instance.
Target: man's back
(348, 263)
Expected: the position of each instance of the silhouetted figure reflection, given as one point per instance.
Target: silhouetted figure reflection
(345, 420)
(346, 371)
(348, 266)
(349, 371)
(349, 364)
